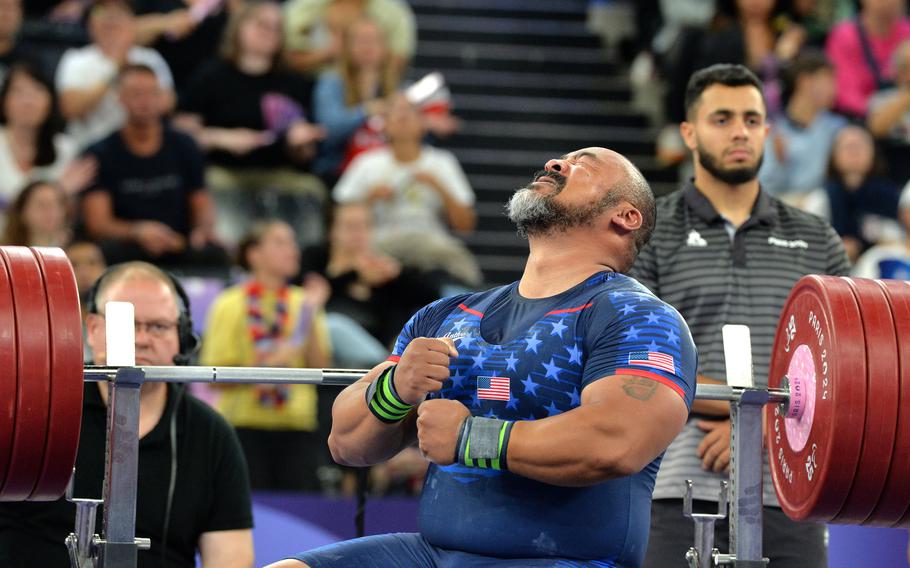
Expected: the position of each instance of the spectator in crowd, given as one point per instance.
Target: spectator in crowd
(149, 200)
(32, 146)
(259, 140)
(38, 217)
(368, 288)
(889, 117)
(351, 94)
(193, 495)
(88, 265)
(266, 322)
(10, 20)
(757, 34)
(65, 11)
(797, 150)
(666, 30)
(863, 203)
(417, 193)
(185, 32)
(889, 260)
(817, 17)
(87, 76)
(314, 30)
(861, 50)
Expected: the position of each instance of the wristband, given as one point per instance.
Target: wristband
(482, 442)
(384, 402)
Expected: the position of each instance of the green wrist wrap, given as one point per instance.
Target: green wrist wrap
(482, 442)
(384, 402)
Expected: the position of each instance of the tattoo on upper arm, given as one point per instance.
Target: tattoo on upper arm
(639, 388)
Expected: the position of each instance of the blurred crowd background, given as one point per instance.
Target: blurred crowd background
(314, 171)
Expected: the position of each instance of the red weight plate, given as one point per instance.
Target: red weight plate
(9, 375)
(895, 498)
(881, 402)
(65, 419)
(33, 362)
(820, 337)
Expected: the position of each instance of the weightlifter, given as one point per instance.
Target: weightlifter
(193, 491)
(544, 405)
(724, 251)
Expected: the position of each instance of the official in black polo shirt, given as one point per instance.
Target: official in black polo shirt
(726, 252)
(207, 509)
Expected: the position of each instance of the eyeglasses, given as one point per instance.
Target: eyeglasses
(155, 328)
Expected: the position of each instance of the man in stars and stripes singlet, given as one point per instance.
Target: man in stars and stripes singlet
(543, 406)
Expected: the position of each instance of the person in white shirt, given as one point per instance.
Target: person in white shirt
(32, 146)
(418, 193)
(87, 75)
(889, 259)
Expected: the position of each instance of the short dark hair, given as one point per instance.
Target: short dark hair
(727, 74)
(252, 238)
(130, 68)
(808, 62)
(99, 6)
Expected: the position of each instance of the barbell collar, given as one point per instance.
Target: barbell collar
(756, 396)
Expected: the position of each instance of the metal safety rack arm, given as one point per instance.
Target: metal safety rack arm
(745, 486)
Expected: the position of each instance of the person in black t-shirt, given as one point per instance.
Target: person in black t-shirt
(209, 509)
(259, 139)
(184, 32)
(149, 201)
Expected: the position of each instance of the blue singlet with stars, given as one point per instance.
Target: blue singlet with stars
(550, 349)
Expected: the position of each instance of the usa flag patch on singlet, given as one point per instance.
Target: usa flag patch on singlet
(493, 388)
(654, 359)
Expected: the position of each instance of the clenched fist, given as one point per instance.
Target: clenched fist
(423, 367)
(438, 422)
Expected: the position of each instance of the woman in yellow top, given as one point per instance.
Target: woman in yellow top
(266, 322)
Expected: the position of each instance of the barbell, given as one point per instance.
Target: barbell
(839, 444)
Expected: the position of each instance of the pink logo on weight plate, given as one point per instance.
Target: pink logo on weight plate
(801, 373)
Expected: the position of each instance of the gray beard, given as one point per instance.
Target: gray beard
(539, 215)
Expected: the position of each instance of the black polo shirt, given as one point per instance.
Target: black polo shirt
(212, 491)
(714, 275)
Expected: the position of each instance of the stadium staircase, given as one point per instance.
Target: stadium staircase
(530, 83)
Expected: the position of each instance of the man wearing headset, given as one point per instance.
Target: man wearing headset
(193, 489)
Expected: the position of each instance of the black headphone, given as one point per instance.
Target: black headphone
(189, 340)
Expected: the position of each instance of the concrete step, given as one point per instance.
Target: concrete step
(582, 86)
(568, 10)
(557, 110)
(473, 28)
(542, 135)
(525, 56)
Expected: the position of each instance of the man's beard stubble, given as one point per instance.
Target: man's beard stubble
(732, 176)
